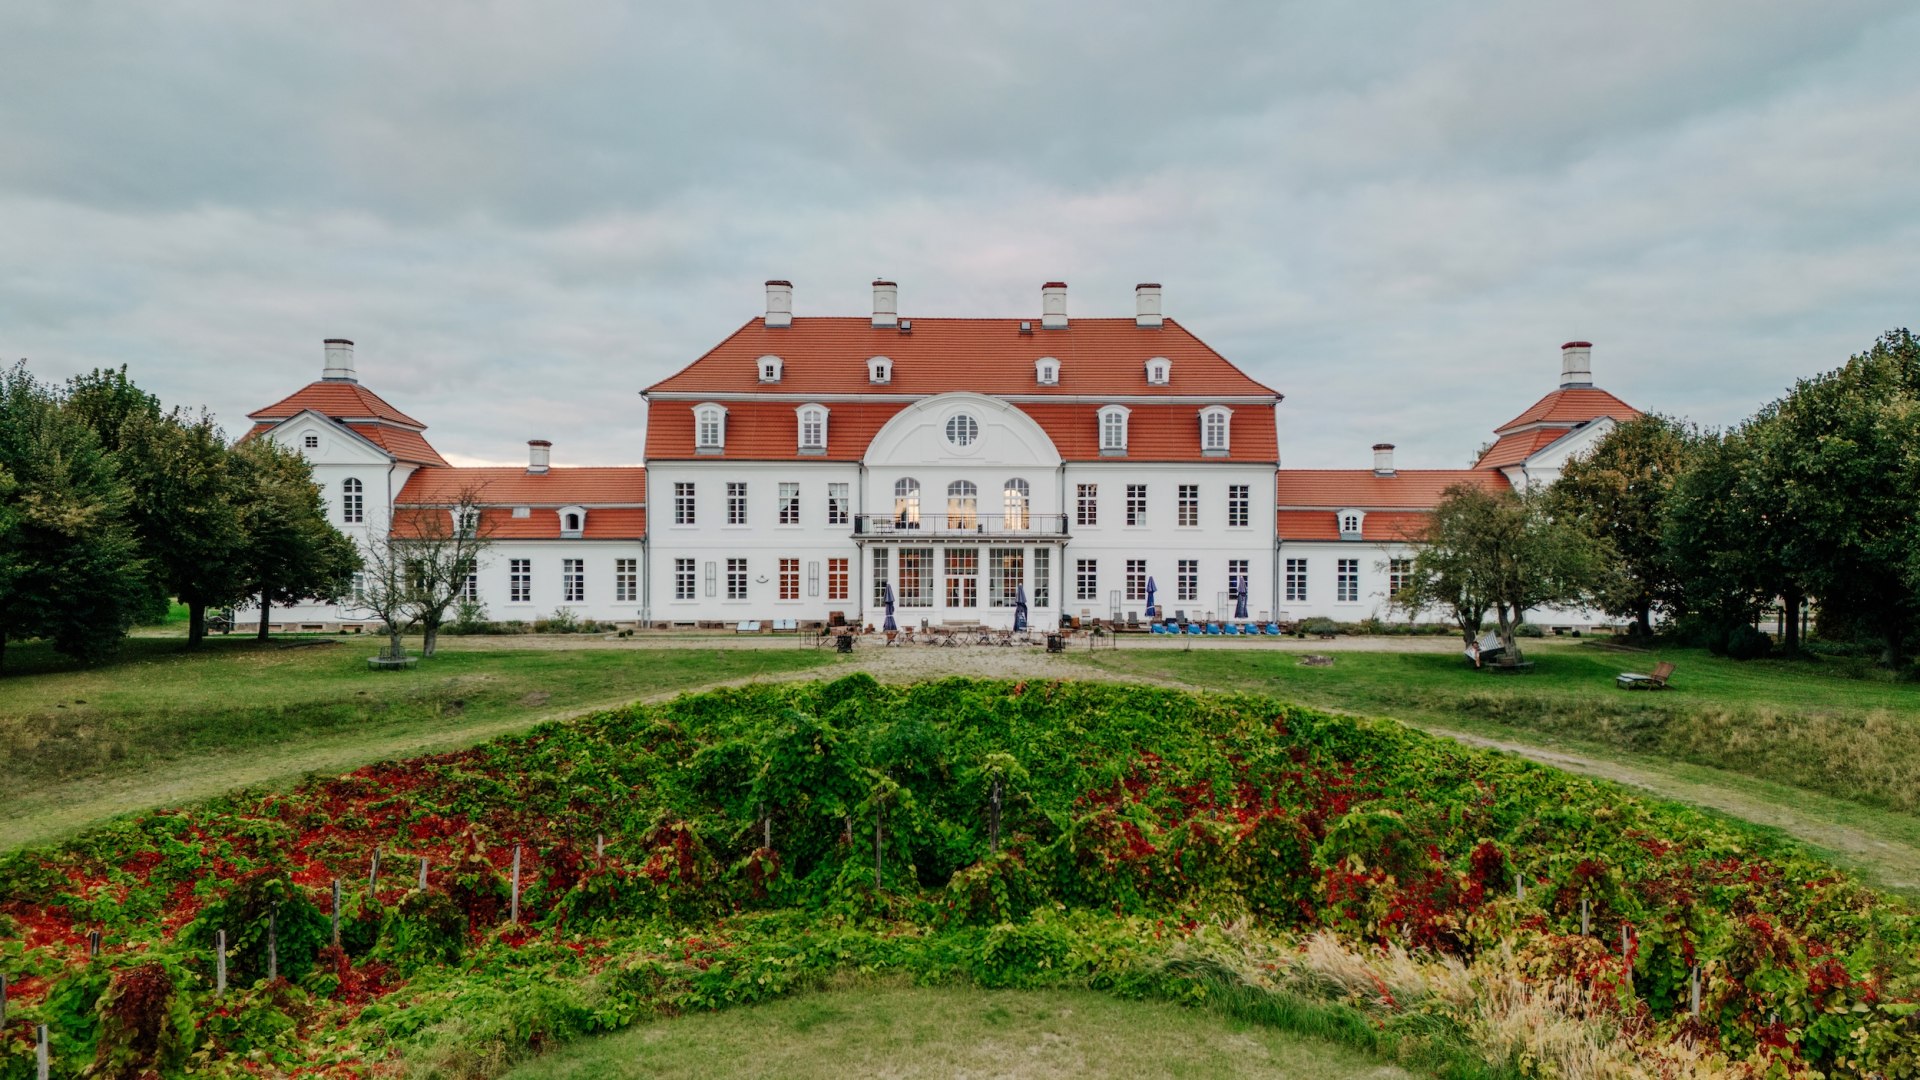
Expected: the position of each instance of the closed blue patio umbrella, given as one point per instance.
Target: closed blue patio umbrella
(886, 593)
(1240, 599)
(1151, 589)
(1020, 607)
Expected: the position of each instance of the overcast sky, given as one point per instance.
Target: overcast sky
(1392, 213)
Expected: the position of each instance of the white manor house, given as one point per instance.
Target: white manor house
(806, 463)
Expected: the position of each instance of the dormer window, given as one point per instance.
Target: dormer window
(1350, 523)
(1113, 431)
(769, 369)
(813, 428)
(709, 428)
(1046, 371)
(879, 370)
(312, 441)
(1215, 429)
(573, 522)
(1159, 371)
(466, 521)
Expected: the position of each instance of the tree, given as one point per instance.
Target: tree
(417, 572)
(186, 493)
(70, 566)
(1839, 461)
(187, 508)
(1504, 552)
(444, 546)
(1618, 493)
(292, 551)
(1722, 533)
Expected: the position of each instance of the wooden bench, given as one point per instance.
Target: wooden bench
(1656, 681)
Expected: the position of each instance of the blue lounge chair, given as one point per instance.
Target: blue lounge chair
(1273, 629)
(1213, 629)
(1232, 630)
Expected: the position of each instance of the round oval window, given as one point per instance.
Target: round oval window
(962, 430)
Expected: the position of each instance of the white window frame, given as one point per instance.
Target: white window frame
(839, 578)
(879, 370)
(573, 581)
(736, 502)
(1042, 576)
(519, 581)
(686, 579)
(906, 501)
(789, 492)
(787, 577)
(1216, 429)
(1399, 574)
(1087, 504)
(353, 502)
(1239, 505)
(737, 587)
(1296, 580)
(626, 581)
(1352, 523)
(710, 426)
(1046, 371)
(1016, 499)
(768, 368)
(1159, 371)
(812, 423)
(1086, 579)
(838, 504)
(1136, 579)
(1188, 506)
(685, 504)
(1113, 429)
(1346, 581)
(1187, 581)
(1136, 504)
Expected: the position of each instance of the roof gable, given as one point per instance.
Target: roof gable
(340, 400)
(1569, 406)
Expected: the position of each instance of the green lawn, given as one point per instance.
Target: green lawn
(161, 725)
(920, 1032)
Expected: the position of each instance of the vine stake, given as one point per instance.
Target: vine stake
(3, 1001)
(1584, 927)
(219, 963)
(993, 819)
(373, 872)
(44, 1066)
(273, 944)
(423, 873)
(513, 909)
(599, 845)
(336, 913)
(1693, 992)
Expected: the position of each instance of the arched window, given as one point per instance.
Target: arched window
(1046, 371)
(1159, 371)
(709, 427)
(906, 503)
(573, 523)
(813, 427)
(879, 370)
(1215, 429)
(963, 505)
(769, 369)
(353, 502)
(1113, 429)
(1018, 496)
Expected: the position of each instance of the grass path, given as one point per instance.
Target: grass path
(909, 1032)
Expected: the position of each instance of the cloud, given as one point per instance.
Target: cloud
(525, 218)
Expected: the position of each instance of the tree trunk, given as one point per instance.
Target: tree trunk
(1790, 623)
(393, 643)
(428, 636)
(1508, 637)
(196, 623)
(1643, 620)
(1896, 647)
(266, 605)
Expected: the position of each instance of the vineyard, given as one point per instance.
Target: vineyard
(1464, 913)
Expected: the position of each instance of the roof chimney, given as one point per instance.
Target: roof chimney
(1576, 364)
(538, 451)
(779, 303)
(1383, 459)
(339, 360)
(1053, 305)
(886, 304)
(1146, 305)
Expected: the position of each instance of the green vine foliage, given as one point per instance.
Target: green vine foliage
(740, 863)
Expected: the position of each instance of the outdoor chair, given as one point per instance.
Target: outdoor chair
(1231, 630)
(1213, 629)
(1273, 629)
(1656, 681)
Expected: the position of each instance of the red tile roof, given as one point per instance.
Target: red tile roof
(1155, 432)
(768, 430)
(339, 399)
(988, 356)
(1516, 447)
(404, 444)
(1363, 489)
(515, 486)
(1378, 526)
(606, 523)
(1569, 407)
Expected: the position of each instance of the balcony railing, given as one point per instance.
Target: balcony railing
(931, 525)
